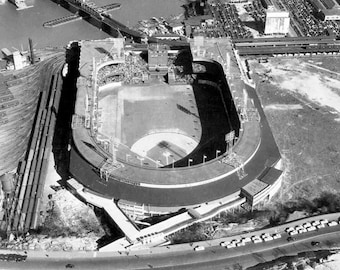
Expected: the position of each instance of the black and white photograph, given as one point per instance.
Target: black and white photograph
(170, 134)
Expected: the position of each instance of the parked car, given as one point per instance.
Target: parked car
(290, 239)
(323, 221)
(320, 226)
(199, 248)
(268, 238)
(311, 229)
(231, 245)
(332, 223)
(276, 236)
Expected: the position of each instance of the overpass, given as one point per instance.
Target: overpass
(156, 234)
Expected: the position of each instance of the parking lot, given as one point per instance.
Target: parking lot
(228, 20)
(304, 22)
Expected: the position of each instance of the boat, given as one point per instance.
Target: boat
(20, 4)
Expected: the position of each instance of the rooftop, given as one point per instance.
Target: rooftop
(255, 187)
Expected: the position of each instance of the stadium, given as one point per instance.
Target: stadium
(158, 129)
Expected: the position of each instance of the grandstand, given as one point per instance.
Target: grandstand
(162, 143)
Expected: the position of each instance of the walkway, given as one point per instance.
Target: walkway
(125, 224)
(154, 235)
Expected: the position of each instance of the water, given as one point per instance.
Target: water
(17, 26)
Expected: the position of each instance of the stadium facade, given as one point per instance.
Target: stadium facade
(158, 129)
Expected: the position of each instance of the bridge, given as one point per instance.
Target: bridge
(100, 18)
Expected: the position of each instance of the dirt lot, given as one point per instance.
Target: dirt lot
(301, 98)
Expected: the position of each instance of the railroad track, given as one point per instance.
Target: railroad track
(23, 211)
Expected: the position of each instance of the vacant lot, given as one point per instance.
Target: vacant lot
(301, 98)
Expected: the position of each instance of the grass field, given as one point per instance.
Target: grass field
(131, 113)
(145, 118)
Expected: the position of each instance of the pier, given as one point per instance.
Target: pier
(61, 21)
(111, 7)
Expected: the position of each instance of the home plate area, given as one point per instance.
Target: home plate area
(163, 148)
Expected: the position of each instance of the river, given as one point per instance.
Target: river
(17, 26)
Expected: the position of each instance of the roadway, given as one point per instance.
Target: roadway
(268, 50)
(184, 257)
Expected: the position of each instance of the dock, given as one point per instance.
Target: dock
(111, 7)
(61, 21)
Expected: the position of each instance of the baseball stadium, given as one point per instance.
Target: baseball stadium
(158, 129)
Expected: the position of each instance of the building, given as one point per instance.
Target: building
(262, 189)
(146, 159)
(167, 36)
(277, 22)
(18, 60)
(266, 3)
(177, 28)
(237, 1)
(158, 58)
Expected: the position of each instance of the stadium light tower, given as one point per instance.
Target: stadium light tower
(166, 154)
(141, 160)
(114, 149)
(190, 160)
(228, 63)
(245, 99)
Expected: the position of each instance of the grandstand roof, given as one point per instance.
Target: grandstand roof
(269, 176)
(255, 187)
